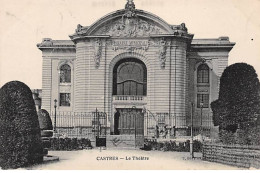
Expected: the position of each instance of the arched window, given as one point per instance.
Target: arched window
(65, 74)
(203, 74)
(129, 77)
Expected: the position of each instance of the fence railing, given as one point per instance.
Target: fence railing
(161, 122)
(81, 124)
(74, 124)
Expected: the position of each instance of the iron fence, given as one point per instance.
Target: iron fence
(155, 125)
(164, 125)
(74, 124)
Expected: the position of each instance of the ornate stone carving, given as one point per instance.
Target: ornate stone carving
(179, 27)
(129, 25)
(97, 52)
(79, 28)
(162, 52)
(46, 42)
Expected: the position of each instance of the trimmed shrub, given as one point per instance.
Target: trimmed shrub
(68, 144)
(239, 98)
(20, 139)
(44, 120)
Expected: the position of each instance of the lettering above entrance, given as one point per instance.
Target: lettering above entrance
(129, 45)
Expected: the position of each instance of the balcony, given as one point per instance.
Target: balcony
(130, 99)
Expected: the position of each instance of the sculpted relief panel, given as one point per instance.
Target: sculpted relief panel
(97, 52)
(130, 27)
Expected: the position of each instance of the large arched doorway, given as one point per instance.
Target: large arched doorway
(129, 85)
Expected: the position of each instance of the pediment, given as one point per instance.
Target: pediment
(130, 22)
(130, 27)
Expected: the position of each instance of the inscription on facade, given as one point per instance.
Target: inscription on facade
(130, 44)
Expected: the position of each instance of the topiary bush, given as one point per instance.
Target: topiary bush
(44, 120)
(46, 128)
(20, 139)
(239, 98)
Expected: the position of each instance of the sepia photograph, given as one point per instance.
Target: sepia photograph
(129, 85)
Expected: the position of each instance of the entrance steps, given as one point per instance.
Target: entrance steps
(120, 141)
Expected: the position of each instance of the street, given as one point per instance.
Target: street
(128, 159)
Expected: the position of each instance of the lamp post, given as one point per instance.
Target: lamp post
(191, 133)
(201, 107)
(55, 106)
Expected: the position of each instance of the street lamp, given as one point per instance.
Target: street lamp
(191, 132)
(55, 106)
(201, 107)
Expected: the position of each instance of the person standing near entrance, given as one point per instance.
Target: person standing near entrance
(116, 123)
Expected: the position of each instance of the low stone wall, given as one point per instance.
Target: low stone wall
(235, 155)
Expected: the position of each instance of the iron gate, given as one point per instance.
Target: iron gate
(100, 128)
(131, 122)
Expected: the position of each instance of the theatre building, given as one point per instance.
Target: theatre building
(145, 75)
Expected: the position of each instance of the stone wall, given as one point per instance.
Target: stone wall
(235, 155)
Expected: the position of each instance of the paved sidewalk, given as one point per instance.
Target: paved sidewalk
(128, 159)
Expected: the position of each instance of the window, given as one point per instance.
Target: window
(65, 74)
(129, 77)
(203, 98)
(64, 99)
(203, 74)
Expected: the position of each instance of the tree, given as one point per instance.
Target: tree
(20, 140)
(239, 100)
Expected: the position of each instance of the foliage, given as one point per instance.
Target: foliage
(239, 99)
(69, 144)
(44, 120)
(20, 140)
(197, 146)
(173, 146)
(250, 136)
(227, 137)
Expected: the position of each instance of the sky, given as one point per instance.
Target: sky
(25, 22)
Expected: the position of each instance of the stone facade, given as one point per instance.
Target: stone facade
(169, 53)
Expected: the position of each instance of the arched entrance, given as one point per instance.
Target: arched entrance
(129, 90)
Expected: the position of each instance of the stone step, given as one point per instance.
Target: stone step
(121, 141)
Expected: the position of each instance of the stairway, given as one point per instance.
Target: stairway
(120, 141)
